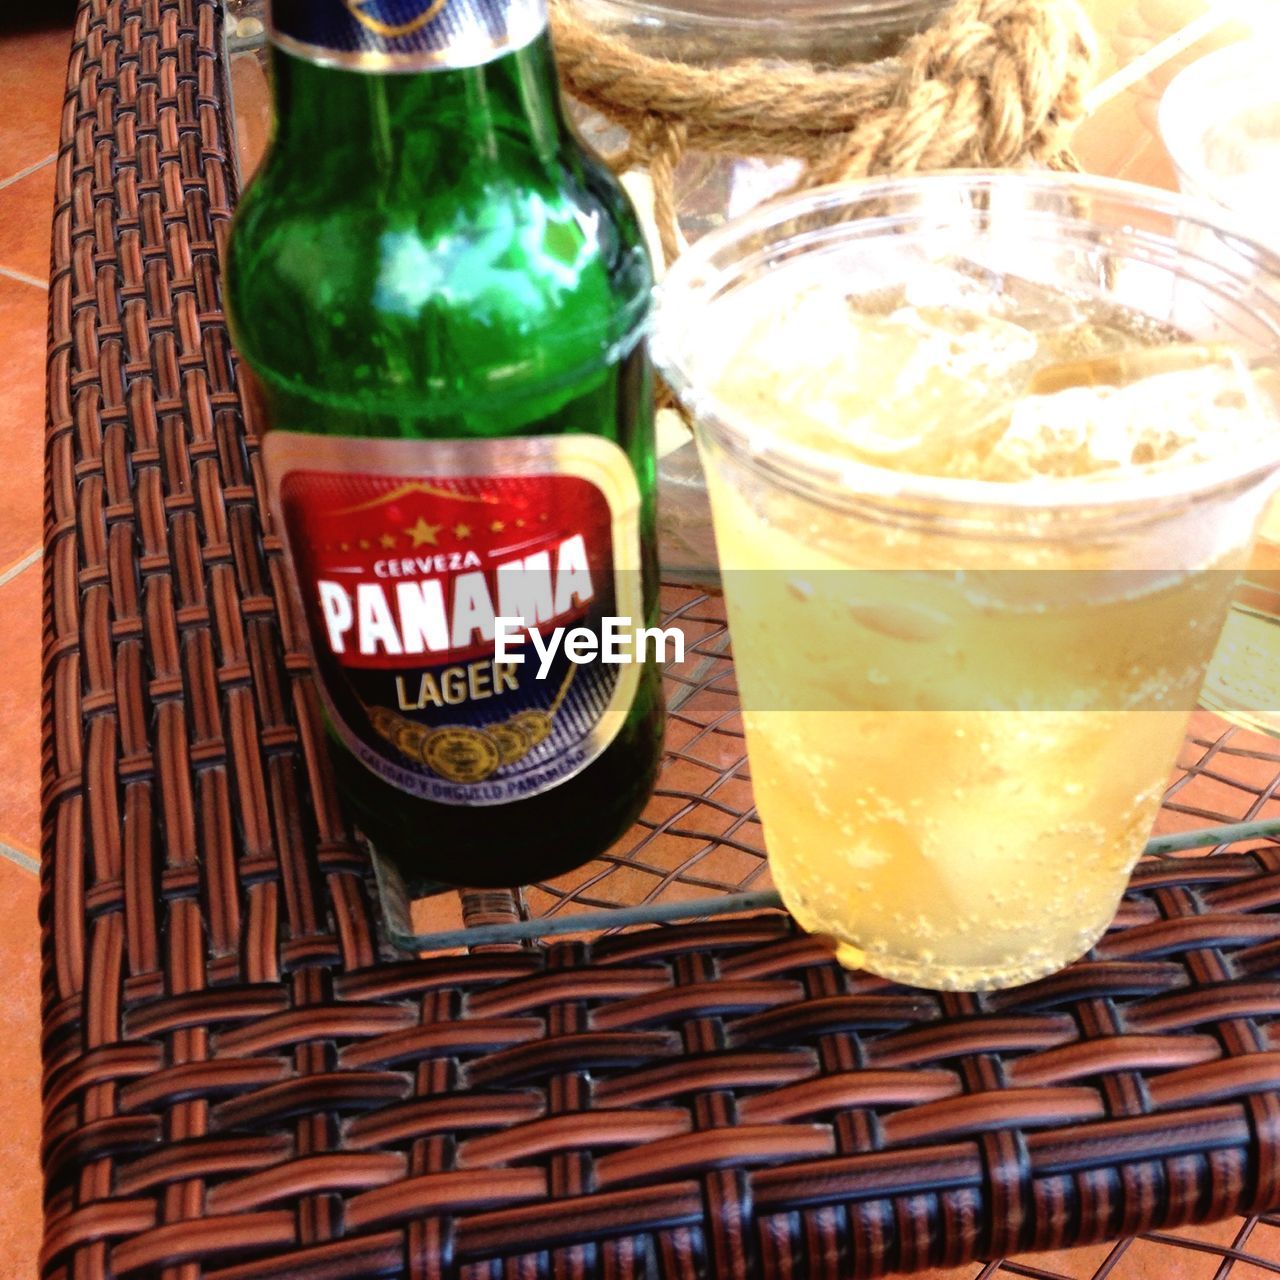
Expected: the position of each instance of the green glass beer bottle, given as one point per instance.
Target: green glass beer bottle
(442, 298)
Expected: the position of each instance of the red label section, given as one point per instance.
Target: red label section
(403, 576)
(396, 568)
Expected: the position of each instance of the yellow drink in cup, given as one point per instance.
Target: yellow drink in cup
(969, 620)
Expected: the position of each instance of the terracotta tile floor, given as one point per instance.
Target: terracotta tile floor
(32, 75)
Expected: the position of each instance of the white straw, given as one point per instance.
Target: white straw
(1218, 14)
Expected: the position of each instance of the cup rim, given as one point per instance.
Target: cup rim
(824, 476)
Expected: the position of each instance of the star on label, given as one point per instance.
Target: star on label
(388, 540)
(462, 531)
(423, 534)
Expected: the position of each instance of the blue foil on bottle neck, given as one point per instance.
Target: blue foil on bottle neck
(405, 35)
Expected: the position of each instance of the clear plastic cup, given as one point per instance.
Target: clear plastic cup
(963, 698)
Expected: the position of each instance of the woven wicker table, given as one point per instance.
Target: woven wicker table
(244, 1080)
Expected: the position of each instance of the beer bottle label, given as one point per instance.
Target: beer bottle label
(405, 35)
(406, 553)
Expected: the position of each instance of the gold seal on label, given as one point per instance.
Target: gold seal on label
(460, 754)
(410, 738)
(513, 746)
(385, 722)
(535, 726)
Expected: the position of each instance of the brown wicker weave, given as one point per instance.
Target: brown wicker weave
(242, 1083)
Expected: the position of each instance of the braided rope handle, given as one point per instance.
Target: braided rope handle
(994, 83)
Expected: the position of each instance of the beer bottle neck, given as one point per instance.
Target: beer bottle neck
(490, 94)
